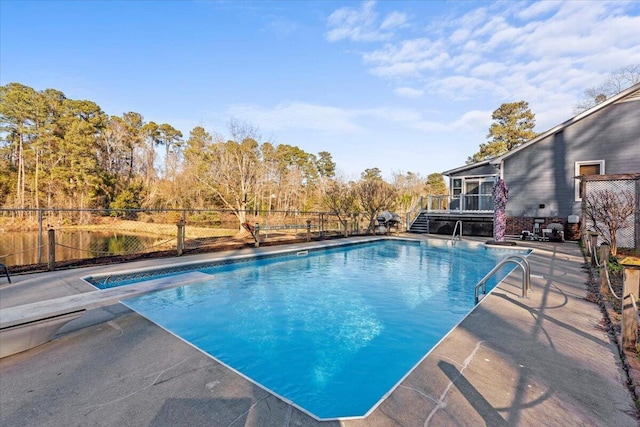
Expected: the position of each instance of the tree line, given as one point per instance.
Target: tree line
(57, 152)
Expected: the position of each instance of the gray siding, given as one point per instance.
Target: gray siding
(543, 173)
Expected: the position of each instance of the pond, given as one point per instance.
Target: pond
(21, 248)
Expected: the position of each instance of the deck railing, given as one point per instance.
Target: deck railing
(448, 204)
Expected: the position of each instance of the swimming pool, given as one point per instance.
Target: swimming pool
(331, 331)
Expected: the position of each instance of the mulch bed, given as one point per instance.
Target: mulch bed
(612, 323)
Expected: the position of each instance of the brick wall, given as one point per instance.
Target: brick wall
(515, 226)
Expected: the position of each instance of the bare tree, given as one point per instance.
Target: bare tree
(340, 198)
(375, 196)
(233, 169)
(609, 211)
(410, 187)
(618, 81)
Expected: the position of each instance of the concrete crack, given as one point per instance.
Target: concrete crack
(117, 327)
(157, 376)
(420, 393)
(248, 410)
(441, 401)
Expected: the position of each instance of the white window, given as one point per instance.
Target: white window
(456, 187)
(586, 168)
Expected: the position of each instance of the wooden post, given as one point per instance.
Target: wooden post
(39, 236)
(604, 265)
(180, 242)
(308, 230)
(52, 249)
(636, 236)
(256, 235)
(631, 286)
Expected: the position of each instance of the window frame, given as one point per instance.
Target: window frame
(454, 187)
(578, 180)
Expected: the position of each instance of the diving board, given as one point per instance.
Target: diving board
(26, 326)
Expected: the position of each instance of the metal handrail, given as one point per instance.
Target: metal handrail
(519, 260)
(415, 212)
(453, 236)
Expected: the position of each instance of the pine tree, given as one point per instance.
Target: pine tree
(513, 126)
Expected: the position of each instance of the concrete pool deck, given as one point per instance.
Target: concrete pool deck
(545, 360)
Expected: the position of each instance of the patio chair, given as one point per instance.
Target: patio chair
(6, 271)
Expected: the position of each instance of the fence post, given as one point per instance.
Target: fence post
(604, 265)
(308, 230)
(321, 230)
(39, 236)
(636, 234)
(630, 290)
(52, 249)
(180, 242)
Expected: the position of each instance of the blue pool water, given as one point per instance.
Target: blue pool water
(332, 331)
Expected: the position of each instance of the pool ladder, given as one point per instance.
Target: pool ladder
(453, 236)
(516, 259)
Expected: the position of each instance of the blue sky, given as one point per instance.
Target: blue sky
(398, 85)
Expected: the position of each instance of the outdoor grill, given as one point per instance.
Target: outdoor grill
(387, 220)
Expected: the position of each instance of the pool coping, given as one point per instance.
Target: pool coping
(281, 252)
(502, 330)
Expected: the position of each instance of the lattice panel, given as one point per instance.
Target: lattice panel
(625, 236)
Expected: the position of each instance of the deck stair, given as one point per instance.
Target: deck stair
(421, 224)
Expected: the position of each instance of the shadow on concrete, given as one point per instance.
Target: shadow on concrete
(545, 345)
(487, 412)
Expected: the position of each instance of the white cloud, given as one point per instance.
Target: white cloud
(409, 58)
(475, 119)
(459, 87)
(394, 20)
(317, 118)
(488, 69)
(459, 36)
(509, 52)
(409, 92)
(363, 25)
(538, 8)
(333, 120)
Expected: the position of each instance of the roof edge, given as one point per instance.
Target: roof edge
(466, 167)
(571, 121)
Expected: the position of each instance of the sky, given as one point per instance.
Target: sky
(404, 86)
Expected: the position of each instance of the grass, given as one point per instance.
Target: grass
(138, 227)
(118, 225)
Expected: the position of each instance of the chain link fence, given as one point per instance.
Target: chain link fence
(36, 239)
(608, 196)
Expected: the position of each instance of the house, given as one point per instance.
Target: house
(543, 174)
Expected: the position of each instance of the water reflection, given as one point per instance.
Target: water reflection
(22, 247)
